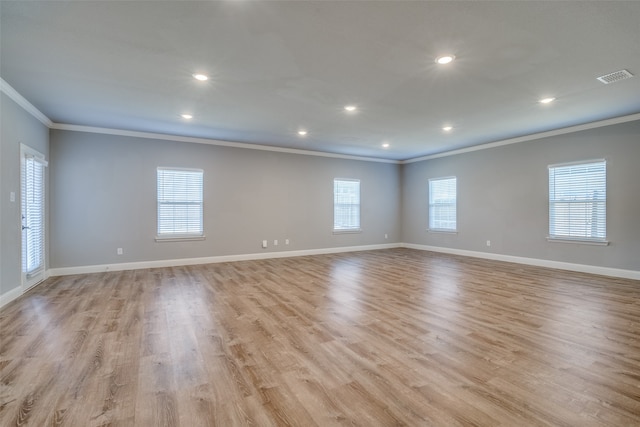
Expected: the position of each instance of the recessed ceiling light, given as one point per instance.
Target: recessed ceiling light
(546, 100)
(445, 59)
(447, 128)
(302, 132)
(201, 77)
(385, 145)
(186, 116)
(350, 108)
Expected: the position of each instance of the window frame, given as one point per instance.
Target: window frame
(431, 206)
(355, 228)
(554, 237)
(179, 236)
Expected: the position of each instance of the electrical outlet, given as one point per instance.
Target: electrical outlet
(12, 196)
(275, 242)
(386, 236)
(264, 243)
(119, 251)
(286, 242)
(488, 242)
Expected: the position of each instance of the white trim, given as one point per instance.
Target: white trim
(31, 279)
(582, 268)
(18, 291)
(525, 138)
(221, 143)
(30, 108)
(65, 271)
(169, 168)
(350, 229)
(11, 295)
(26, 105)
(577, 241)
(430, 204)
(183, 238)
(577, 163)
(28, 151)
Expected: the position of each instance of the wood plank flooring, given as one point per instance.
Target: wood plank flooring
(379, 338)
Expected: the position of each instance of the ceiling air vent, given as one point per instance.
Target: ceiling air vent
(615, 77)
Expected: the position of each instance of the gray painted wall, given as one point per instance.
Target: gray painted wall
(16, 126)
(103, 196)
(503, 197)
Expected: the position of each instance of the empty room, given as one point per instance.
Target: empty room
(319, 213)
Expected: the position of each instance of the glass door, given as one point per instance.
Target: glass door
(32, 174)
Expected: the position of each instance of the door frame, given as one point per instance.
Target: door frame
(27, 280)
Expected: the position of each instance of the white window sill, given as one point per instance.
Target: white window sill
(353, 231)
(578, 241)
(435, 230)
(179, 238)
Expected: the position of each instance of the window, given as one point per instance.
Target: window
(180, 203)
(346, 205)
(442, 204)
(578, 201)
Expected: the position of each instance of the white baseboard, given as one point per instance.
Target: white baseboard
(10, 295)
(582, 268)
(65, 271)
(18, 291)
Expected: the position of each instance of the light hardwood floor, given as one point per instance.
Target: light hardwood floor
(379, 338)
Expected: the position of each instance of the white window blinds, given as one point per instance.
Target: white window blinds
(346, 205)
(32, 215)
(180, 202)
(578, 201)
(442, 204)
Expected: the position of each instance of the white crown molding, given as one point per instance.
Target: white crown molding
(167, 137)
(30, 108)
(532, 137)
(581, 268)
(22, 101)
(194, 140)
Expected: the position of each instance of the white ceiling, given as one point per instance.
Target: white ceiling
(278, 66)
